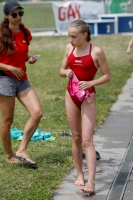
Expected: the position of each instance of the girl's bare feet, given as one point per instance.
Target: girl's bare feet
(80, 180)
(89, 187)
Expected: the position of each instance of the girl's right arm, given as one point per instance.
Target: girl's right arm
(65, 71)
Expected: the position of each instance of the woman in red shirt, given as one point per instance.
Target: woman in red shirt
(14, 42)
(82, 60)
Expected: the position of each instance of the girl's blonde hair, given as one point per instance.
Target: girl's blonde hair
(83, 27)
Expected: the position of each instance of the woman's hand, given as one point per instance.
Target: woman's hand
(68, 73)
(18, 72)
(82, 85)
(31, 59)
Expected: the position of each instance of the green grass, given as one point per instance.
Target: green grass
(55, 158)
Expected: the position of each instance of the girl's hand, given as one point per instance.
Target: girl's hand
(68, 73)
(82, 85)
(18, 72)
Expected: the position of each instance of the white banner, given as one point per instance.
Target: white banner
(66, 12)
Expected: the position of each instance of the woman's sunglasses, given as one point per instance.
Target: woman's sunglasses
(14, 15)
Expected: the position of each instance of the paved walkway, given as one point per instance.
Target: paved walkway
(111, 140)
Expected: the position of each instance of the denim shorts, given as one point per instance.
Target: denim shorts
(11, 87)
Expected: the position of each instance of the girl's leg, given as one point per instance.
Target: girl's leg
(74, 121)
(88, 111)
(7, 111)
(29, 99)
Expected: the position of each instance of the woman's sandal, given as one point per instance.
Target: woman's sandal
(93, 185)
(25, 161)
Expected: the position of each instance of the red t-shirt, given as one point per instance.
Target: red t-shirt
(18, 58)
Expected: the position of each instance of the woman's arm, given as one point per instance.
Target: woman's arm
(19, 73)
(5, 67)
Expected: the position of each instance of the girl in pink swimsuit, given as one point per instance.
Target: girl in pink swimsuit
(82, 59)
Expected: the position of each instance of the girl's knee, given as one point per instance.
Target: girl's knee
(87, 142)
(77, 139)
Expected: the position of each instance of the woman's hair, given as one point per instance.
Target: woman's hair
(83, 27)
(6, 37)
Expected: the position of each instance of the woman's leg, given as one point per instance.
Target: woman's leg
(7, 111)
(74, 121)
(88, 111)
(30, 100)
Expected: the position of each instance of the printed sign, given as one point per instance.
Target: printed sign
(66, 12)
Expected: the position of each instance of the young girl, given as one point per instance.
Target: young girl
(80, 64)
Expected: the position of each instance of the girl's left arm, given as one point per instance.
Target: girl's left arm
(102, 63)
